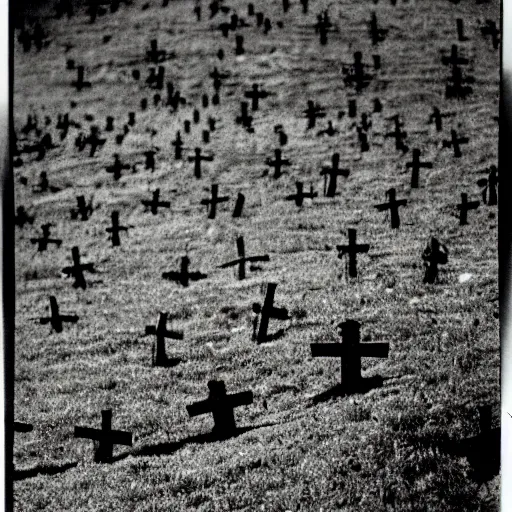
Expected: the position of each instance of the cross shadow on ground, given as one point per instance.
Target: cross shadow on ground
(366, 384)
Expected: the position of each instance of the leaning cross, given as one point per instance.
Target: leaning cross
(392, 206)
(333, 172)
(42, 243)
(77, 270)
(211, 204)
(464, 207)
(106, 436)
(161, 332)
(350, 350)
(243, 259)
(268, 311)
(56, 319)
(221, 405)
(352, 249)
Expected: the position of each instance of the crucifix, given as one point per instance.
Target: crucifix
(277, 163)
(255, 95)
(211, 204)
(56, 319)
(243, 259)
(106, 437)
(83, 209)
(266, 312)
(115, 229)
(313, 112)
(155, 203)
(350, 350)
(197, 159)
(333, 172)
(392, 206)
(352, 250)
(455, 142)
(116, 168)
(300, 195)
(416, 165)
(464, 207)
(161, 332)
(77, 270)
(434, 255)
(80, 83)
(221, 406)
(42, 243)
(183, 277)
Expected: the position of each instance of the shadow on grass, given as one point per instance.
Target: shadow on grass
(169, 362)
(365, 385)
(22, 474)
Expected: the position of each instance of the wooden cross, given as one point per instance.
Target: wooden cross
(457, 85)
(197, 159)
(490, 29)
(255, 95)
(416, 165)
(437, 118)
(352, 249)
(245, 119)
(454, 59)
(80, 83)
(398, 134)
(64, 123)
(174, 99)
(333, 172)
(156, 80)
(434, 255)
(300, 195)
(355, 73)
(115, 229)
(77, 270)
(161, 332)
(322, 26)
(106, 436)
(211, 204)
(329, 131)
(377, 34)
(266, 312)
(350, 350)
(489, 195)
(155, 55)
(455, 142)
(22, 217)
(464, 207)
(83, 209)
(460, 30)
(217, 78)
(392, 206)
(116, 168)
(239, 205)
(155, 203)
(42, 243)
(313, 112)
(221, 405)
(178, 146)
(278, 163)
(92, 139)
(183, 277)
(56, 319)
(243, 259)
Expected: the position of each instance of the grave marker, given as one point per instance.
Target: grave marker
(178, 146)
(283, 138)
(211, 204)
(243, 259)
(489, 195)
(464, 207)
(350, 350)
(266, 312)
(245, 119)
(155, 203)
(355, 75)
(116, 168)
(300, 195)
(80, 83)
(93, 140)
(312, 113)
(221, 405)
(22, 217)
(416, 165)
(392, 206)
(323, 26)
(197, 159)
(490, 29)
(437, 118)
(183, 277)
(255, 95)
(45, 239)
(352, 250)
(83, 209)
(460, 30)
(155, 55)
(115, 229)
(329, 131)
(56, 319)
(398, 134)
(455, 142)
(277, 163)
(239, 49)
(434, 255)
(77, 269)
(44, 184)
(239, 205)
(161, 332)
(333, 172)
(377, 34)
(106, 437)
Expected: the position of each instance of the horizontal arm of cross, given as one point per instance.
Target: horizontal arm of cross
(113, 436)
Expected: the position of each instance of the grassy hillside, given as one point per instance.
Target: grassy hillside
(393, 448)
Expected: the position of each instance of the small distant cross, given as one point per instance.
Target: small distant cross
(434, 255)
(266, 312)
(221, 405)
(313, 112)
(437, 118)
(115, 229)
(329, 131)
(155, 80)
(42, 243)
(116, 168)
(300, 195)
(174, 99)
(80, 83)
(197, 159)
(178, 146)
(244, 118)
(161, 332)
(217, 78)
(211, 204)
(457, 85)
(22, 217)
(454, 59)
(455, 142)
(183, 277)
(333, 172)
(392, 206)
(56, 319)
(377, 34)
(398, 134)
(490, 29)
(64, 123)
(355, 74)
(106, 436)
(255, 95)
(77, 270)
(489, 195)
(277, 163)
(416, 165)
(464, 207)
(322, 26)
(83, 209)
(352, 250)
(92, 139)
(155, 203)
(155, 55)
(350, 350)
(243, 259)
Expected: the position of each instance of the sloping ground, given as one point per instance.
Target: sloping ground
(395, 447)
